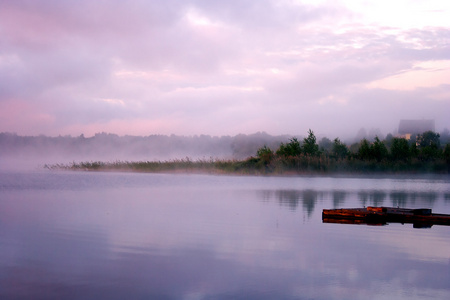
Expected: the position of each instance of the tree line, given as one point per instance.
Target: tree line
(393, 154)
(422, 154)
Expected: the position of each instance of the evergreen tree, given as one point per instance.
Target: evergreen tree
(429, 145)
(364, 150)
(378, 150)
(310, 146)
(339, 150)
(265, 154)
(428, 138)
(400, 149)
(447, 154)
(290, 149)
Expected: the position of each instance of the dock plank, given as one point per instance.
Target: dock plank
(383, 215)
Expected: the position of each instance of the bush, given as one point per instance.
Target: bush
(290, 149)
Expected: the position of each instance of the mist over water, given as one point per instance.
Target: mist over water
(36, 151)
(24, 152)
(84, 235)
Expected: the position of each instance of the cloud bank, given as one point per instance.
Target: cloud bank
(221, 67)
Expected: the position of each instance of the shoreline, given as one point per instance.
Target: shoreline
(238, 168)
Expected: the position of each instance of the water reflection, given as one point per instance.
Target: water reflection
(223, 238)
(403, 199)
(338, 198)
(293, 198)
(399, 199)
(373, 198)
(307, 199)
(427, 197)
(289, 199)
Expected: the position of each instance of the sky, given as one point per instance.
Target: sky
(222, 67)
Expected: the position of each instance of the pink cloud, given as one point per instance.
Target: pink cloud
(22, 117)
(209, 67)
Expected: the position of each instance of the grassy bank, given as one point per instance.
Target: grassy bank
(300, 164)
(177, 165)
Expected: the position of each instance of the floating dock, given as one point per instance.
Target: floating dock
(420, 217)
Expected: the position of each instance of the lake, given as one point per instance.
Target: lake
(87, 235)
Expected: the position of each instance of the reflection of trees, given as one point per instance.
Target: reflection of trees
(402, 199)
(363, 198)
(265, 195)
(429, 197)
(374, 198)
(292, 198)
(308, 198)
(289, 198)
(338, 198)
(309, 201)
(399, 199)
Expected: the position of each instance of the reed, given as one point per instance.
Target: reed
(279, 165)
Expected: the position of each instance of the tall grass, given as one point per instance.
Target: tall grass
(176, 165)
(299, 164)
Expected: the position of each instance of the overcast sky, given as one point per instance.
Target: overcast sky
(222, 67)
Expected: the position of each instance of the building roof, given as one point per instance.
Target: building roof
(415, 126)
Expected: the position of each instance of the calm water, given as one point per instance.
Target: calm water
(153, 236)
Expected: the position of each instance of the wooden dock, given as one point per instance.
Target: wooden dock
(420, 217)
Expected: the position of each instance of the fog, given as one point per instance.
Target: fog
(36, 151)
(222, 68)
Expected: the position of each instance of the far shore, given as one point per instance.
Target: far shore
(252, 166)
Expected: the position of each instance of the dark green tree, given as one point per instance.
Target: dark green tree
(428, 144)
(400, 149)
(447, 154)
(378, 150)
(339, 150)
(364, 152)
(290, 149)
(428, 138)
(413, 149)
(265, 154)
(310, 146)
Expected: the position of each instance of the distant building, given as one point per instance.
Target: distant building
(408, 128)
